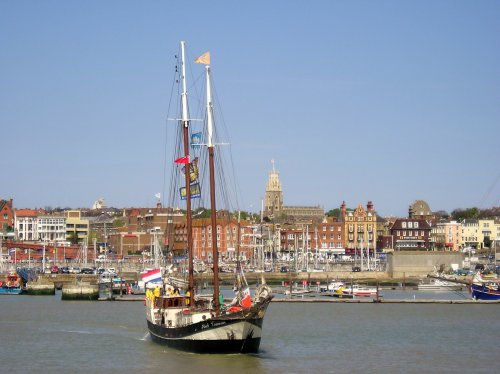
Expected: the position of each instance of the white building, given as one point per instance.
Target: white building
(51, 228)
(25, 224)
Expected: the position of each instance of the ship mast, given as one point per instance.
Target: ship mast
(185, 124)
(213, 208)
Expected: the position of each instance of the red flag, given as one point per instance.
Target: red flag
(182, 160)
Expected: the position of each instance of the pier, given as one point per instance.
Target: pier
(383, 301)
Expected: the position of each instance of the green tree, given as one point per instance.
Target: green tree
(73, 238)
(333, 213)
(119, 222)
(487, 242)
(461, 214)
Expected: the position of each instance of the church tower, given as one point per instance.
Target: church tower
(273, 202)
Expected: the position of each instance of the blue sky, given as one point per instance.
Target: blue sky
(388, 101)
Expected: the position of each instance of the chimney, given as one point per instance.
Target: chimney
(369, 206)
(343, 209)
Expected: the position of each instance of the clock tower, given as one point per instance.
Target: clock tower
(273, 202)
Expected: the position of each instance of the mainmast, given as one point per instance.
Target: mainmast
(185, 124)
(213, 207)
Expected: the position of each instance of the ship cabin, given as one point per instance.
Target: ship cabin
(174, 311)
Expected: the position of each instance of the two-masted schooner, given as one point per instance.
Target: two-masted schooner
(197, 323)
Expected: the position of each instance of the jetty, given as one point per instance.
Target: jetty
(384, 301)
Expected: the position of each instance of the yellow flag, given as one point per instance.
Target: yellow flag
(203, 59)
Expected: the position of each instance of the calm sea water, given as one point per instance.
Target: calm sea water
(49, 335)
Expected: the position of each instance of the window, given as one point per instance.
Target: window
(403, 225)
(415, 224)
(410, 225)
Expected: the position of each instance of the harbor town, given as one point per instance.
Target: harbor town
(296, 247)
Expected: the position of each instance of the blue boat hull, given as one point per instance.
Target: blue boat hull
(484, 293)
(10, 290)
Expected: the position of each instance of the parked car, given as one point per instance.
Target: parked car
(54, 269)
(64, 270)
(285, 269)
(87, 271)
(356, 268)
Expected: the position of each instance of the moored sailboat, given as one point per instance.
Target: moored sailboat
(201, 323)
(485, 289)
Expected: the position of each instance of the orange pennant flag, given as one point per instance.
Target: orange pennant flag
(203, 59)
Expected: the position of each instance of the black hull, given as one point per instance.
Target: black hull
(196, 337)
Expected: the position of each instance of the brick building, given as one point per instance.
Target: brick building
(410, 234)
(6, 217)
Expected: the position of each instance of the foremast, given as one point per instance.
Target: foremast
(213, 206)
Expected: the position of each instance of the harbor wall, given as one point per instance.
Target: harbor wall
(80, 291)
(412, 264)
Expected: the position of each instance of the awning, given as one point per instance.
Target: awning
(333, 251)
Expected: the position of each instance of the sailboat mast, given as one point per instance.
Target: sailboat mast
(185, 125)
(213, 207)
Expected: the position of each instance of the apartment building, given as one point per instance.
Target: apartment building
(360, 228)
(25, 224)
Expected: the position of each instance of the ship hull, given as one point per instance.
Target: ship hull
(483, 293)
(218, 335)
(11, 291)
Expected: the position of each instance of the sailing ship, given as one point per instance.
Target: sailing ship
(182, 319)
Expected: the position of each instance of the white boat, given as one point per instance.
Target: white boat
(297, 291)
(105, 285)
(184, 320)
(357, 290)
(439, 285)
(333, 286)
